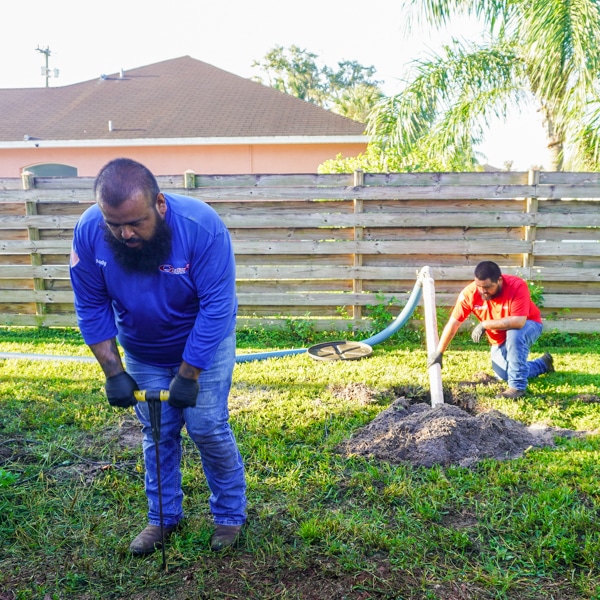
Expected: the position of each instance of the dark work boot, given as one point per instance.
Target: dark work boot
(511, 393)
(224, 536)
(149, 539)
(549, 362)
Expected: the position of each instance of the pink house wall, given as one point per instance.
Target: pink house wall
(171, 160)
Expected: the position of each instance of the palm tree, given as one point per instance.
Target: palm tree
(357, 102)
(544, 51)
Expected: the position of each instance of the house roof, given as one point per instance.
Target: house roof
(181, 98)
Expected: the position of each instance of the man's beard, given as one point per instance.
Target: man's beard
(487, 297)
(149, 256)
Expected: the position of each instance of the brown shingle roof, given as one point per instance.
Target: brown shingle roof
(178, 98)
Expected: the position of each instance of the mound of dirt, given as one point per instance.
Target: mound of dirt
(446, 434)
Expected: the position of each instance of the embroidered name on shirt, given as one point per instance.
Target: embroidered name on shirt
(174, 270)
(100, 262)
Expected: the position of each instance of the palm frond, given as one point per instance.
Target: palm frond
(446, 107)
(439, 13)
(561, 41)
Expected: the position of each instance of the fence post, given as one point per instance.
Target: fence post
(357, 287)
(33, 234)
(531, 207)
(28, 179)
(189, 179)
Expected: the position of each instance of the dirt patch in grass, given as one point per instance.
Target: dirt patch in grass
(455, 432)
(241, 576)
(587, 398)
(130, 433)
(358, 393)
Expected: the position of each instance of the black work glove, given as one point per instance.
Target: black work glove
(183, 392)
(477, 333)
(435, 358)
(119, 390)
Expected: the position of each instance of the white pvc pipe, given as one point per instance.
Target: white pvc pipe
(431, 336)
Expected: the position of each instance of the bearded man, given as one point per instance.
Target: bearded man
(510, 320)
(157, 273)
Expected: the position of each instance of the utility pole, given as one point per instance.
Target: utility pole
(46, 70)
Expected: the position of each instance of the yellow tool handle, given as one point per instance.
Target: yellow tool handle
(146, 395)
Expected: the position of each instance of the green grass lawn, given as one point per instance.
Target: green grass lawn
(320, 525)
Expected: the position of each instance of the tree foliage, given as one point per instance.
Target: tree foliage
(379, 159)
(545, 51)
(349, 89)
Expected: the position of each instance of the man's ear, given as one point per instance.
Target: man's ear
(161, 204)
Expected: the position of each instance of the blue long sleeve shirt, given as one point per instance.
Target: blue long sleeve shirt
(181, 312)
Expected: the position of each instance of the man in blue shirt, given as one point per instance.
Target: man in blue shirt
(157, 273)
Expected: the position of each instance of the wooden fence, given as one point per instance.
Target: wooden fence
(323, 247)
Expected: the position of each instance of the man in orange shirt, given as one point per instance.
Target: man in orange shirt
(511, 321)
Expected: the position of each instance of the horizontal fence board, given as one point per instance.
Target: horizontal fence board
(39, 320)
(407, 219)
(565, 177)
(62, 183)
(366, 193)
(565, 191)
(566, 207)
(465, 206)
(274, 180)
(63, 195)
(35, 246)
(41, 296)
(277, 220)
(564, 219)
(306, 299)
(566, 248)
(40, 221)
(293, 272)
(30, 271)
(585, 234)
(434, 178)
(499, 246)
(572, 301)
(370, 179)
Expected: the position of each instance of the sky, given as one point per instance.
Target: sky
(88, 39)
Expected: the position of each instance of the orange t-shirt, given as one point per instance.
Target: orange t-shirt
(513, 301)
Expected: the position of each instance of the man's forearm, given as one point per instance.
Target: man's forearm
(107, 354)
(505, 323)
(448, 334)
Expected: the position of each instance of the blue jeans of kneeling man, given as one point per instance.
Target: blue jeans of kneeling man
(207, 425)
(509, 360)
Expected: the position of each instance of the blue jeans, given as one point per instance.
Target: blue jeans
(509, 360)
(207, 425)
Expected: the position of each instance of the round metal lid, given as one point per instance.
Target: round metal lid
(341, 350)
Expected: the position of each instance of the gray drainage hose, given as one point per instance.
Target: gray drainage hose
(383, 335)
(56, 357)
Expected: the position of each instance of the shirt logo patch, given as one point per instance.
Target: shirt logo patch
(74, 257)
(174, 270)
